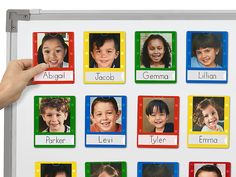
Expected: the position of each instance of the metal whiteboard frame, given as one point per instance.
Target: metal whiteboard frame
(15, 15)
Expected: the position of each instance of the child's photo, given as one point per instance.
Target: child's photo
(106, 170)
(155, 50)
(207, 57)
(104, 50)
(105, 118)
(209, 170)
(56, 49)
(208, 114)
(158, 170)
(105, 114)
(54, 121)
(53, 49)
(158, 115)
(56, 170)
(207, 50)
(104, 57)
(54, 115)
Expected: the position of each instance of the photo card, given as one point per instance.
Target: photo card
(105, 122)
(207, 57)
(208, 121)
(54, 121)
(104, 57)
(155, 56)
(165, 169)
(217, 169)
(158, 122)
(95, 169)
(57, 50)
(47, 169)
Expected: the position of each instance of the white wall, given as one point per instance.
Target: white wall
(94, 5)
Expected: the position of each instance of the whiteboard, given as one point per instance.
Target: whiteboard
(21, 155)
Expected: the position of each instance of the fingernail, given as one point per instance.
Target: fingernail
(46, 65)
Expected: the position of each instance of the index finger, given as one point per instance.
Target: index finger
(27, 63)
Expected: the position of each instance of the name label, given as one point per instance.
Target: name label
(54, 76)
(105, 139)
(54, 139)
(201, 139)
(104, 76)
(206, 75)
(157, 139)
(155, 75)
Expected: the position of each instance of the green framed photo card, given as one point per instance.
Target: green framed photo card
(54, 121)
(155, 56)
(94, 169)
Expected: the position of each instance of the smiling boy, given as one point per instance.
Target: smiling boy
(208, 171)
(54, 112)
(56, 170)
(157, 113)
(104, 50)
(104, 114)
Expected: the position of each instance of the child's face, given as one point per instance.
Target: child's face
(61, 174)
(156, 50)
(105, 55)
(158, 119)
(53, 53)
(54, 119)
(207, 174)
(104, 174)
(211, 117)
(105, 117)
(207, 56)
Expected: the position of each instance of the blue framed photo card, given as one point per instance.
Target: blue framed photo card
(207, 57)
(149, 169)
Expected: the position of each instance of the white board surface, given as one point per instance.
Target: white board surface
(25, 153)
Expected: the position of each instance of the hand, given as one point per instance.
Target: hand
(18, 75)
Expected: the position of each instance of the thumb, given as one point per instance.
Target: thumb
(30, 73)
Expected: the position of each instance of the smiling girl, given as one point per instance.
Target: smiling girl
(53, 51)
(208, 114)
(206, 50)
(156, 52)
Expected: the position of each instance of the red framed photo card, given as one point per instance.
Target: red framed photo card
(217, 169)
(158, 122)
(57, 50)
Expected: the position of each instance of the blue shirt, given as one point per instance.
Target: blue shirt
(196, 64)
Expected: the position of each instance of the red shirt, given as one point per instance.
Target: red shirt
(94, 128)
